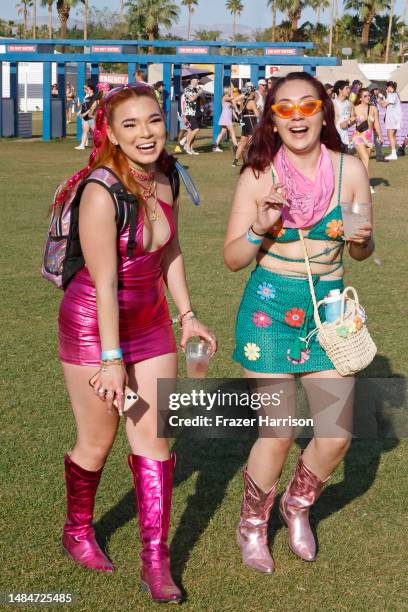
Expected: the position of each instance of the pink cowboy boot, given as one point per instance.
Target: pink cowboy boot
(78, 538)
(253, 525)
(301, 493)
(153, 482)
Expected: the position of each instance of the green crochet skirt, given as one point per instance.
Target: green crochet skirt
(276, 311)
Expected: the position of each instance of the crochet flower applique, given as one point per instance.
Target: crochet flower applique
(334, 229)
(294, 317)
(266, 291)
(261, 319)
(252, 351)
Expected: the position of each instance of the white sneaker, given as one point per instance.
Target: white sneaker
(217, 150)
(372, 190)
(192, 152)
(80, 147)
(392, 156)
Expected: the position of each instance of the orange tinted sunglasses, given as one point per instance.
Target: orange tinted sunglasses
(286, 110)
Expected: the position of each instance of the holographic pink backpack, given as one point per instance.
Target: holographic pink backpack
(63, 254)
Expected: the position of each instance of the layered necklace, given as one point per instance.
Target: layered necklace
(148, 187)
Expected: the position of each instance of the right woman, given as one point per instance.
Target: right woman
(366, 119)
(295, 178)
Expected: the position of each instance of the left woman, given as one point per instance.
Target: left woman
(114, 328)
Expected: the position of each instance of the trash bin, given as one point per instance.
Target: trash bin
(25, 125)
(57, 127)
(8, 117)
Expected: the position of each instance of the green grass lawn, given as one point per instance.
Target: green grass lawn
(361, 518)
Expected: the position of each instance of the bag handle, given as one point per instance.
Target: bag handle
(343, 301)
(310, 279)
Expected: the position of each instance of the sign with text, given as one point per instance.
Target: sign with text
(21, 48)
(105, 49)
(193, 50)
(282, 51)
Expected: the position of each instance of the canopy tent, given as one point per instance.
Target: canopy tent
(348, 70)
(400, 76)
(156, 72)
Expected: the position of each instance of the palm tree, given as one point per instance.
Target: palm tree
(403, 26)
(63, 9)
(146, 17)
(367, 10)
(235, 7)
(293, 9)
(22, 9)
(34, 18)
(48, 4)
(390, 18)
(86, 12)
(191, 4)
(319, 6)
(272, 5)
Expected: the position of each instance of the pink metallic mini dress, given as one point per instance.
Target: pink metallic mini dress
(144, 323)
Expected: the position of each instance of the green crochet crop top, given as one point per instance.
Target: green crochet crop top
(330, 227)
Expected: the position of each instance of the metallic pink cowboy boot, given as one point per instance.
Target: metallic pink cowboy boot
(252, 529)
(78, 538)
(153, 481)
(301, 493)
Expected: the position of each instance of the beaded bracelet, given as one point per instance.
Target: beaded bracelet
(111, 354)
(111, 362)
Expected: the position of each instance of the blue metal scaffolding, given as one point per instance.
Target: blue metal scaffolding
(223, 55)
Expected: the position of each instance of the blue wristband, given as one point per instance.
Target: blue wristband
(252, 238)
(112, 354)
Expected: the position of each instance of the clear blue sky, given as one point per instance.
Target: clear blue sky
(255, 15)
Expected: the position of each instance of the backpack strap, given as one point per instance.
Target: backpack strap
(174, 179)
(126, 204)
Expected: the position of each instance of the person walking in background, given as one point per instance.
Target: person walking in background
(192, 95)
(342, 110)
(375, 98)
(70, 101)
(159, 89)
(366, 119)
(260, 95)
(249, 119)
(139, 76)
(329, 89)
(87, 113)
(225, 122)
(393, 117)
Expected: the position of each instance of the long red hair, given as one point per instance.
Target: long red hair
(265, 142)
(105, 153)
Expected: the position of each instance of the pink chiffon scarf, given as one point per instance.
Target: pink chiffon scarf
(308, 200)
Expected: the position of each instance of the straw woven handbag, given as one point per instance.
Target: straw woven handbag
(347, 341)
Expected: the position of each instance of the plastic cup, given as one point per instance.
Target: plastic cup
(197, 358)
(354, 215)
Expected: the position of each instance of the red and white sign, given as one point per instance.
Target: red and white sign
(193, 50)
(21, 48)
(113, 79)
(105, 49)
(283, 51)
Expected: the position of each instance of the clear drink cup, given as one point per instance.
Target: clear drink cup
(198, 355)
(354, 214)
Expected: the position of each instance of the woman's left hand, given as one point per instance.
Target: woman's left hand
(362, 235)
(194, 327)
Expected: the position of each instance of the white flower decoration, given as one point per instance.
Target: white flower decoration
(252, 351)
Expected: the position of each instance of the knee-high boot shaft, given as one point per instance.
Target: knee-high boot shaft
(301, 493)
(153, 481)
(78, 537)
(252, 532)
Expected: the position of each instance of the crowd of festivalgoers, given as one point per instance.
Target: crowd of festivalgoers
(356, 109)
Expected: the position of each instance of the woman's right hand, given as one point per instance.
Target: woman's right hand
(269, 209)
(108, 384)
